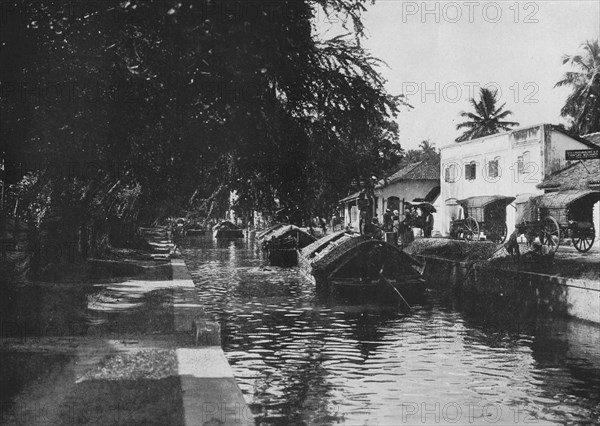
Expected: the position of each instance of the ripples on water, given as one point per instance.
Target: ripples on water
(300, 359)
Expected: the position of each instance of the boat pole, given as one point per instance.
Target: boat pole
(395, 289)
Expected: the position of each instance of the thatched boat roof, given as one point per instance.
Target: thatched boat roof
(335, 250)
(329, 250)
(286, 230)
(270, 229)
(311, 250)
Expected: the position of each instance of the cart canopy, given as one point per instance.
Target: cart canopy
(485, 200)
(564, 199)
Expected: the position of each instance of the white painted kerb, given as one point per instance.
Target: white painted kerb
(203, 363)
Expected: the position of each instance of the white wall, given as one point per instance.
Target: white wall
(351, 215)
(542, 148)
(597, 223)
(403, 189)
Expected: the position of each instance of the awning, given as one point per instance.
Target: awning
(430, 197)
(352, 197)
(561, 200)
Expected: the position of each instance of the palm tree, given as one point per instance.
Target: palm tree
(429, 152)
(582, 107)
(487, 119)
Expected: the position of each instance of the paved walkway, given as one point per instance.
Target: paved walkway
(139, 362)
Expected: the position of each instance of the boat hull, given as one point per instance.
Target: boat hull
(361, 269)
(280, 244)
(228, 233)
(282, 257)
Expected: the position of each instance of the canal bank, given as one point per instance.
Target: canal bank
(209, 390)
(114, 345)
(563, 287)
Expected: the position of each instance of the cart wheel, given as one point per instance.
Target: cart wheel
(550, 233)
(471, 229)
(584, 244)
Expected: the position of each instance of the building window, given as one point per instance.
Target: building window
(520, 167)
(493, 167)
(450, 173)
(522, 161)
(393, 203)
(470, 171)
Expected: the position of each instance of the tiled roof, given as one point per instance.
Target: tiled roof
(414, 171)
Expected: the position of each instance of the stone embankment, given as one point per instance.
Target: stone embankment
(567, 284)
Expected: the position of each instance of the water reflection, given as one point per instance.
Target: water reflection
(300, 359)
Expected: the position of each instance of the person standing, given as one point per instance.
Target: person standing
(387, 220)
(428, 228)
(396, 225)
(362, 222)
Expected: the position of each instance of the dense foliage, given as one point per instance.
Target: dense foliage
(128, 111)
(582, 107)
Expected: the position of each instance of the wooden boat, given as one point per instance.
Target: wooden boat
(260, 235)
(281, 243)
(349, 264)
(227, 229)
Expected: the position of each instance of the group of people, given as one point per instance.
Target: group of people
(370, 227)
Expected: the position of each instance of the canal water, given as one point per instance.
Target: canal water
(300, 359)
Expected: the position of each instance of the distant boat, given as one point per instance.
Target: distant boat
(227, 229)
(349, 264)
(195, 231)
(281, 243)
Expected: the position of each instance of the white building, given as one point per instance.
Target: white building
(419, 180)
(510, 164)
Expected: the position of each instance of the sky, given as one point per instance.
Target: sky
(438, 53)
